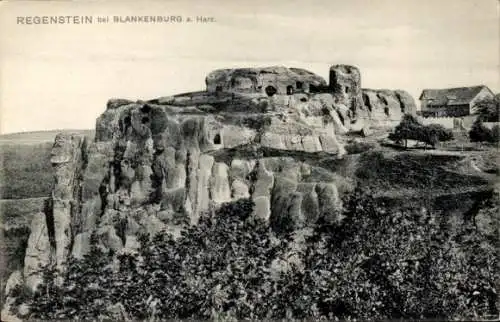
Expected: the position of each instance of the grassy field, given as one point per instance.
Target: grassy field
(38, 136)
(25, 170)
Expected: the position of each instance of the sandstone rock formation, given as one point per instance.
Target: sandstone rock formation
(156, 166)
(152, 168)
(386, 107)
(267, 80)
(345, 82)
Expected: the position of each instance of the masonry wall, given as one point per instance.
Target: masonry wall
(447, 122)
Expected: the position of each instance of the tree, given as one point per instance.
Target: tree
(495, 134)
(489, 108)
(405, 130)
(434, 133)
(480, 133)
(411, 129)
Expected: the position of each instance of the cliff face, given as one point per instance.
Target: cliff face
(156, 166)
(382, 107)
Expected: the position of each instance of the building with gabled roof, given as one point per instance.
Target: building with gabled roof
(454, 102)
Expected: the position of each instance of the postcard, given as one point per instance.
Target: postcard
(263, 160)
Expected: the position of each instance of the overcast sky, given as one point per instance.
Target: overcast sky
(60, 76)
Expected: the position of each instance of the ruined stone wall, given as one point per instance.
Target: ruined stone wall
(345, 83)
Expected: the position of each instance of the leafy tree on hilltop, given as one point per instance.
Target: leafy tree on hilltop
(411, 129)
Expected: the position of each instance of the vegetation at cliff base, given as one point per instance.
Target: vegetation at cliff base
(376, 264)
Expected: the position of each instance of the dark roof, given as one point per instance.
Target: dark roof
(451, 96)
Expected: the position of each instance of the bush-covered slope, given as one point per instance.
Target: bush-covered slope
(376, 263)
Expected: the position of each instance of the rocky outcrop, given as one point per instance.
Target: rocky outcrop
(267, 80)
(157, 166)
(345, 82)
(153, 169)
(39, 252)
(366, 107)
(52, 232)
(386, 107)
(186, 163)
(68, 161)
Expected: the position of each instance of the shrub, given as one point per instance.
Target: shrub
(355, 147)
(411, 129)
(480, 133)
(375, 264)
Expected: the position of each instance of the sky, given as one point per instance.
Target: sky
(60, 76)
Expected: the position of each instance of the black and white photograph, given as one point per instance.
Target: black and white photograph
(323, 160)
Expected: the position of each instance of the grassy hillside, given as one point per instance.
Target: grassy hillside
(25, 170)
(38, 136)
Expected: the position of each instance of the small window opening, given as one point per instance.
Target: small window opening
(299, 85)
(347, 89)
(289, 90)
(146, 108)
(270, 90)
(217, 139)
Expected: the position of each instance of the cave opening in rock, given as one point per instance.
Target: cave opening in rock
(145, 119)
(289, 90)
(299, 85)
(271, 90)
(218, 88)
(366, 101)
(313, 89)
(127, 121)
(146, 108)
(217, 139)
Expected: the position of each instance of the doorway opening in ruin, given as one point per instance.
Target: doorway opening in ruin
(289, 90)
(313, 89)
(366, 102)
(217, 139)
(270, 90)
(299, 85)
